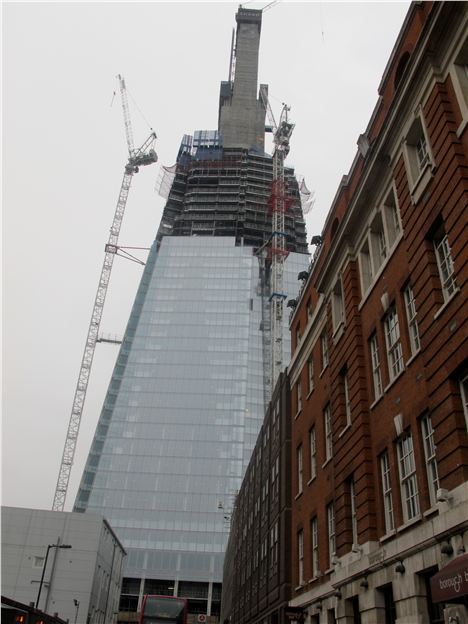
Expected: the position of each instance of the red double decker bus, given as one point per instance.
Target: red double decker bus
(163, 610)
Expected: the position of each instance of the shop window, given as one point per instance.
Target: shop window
(385, 598)
(435, 611)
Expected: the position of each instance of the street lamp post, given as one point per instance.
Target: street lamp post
(77, 606)
(44, 568)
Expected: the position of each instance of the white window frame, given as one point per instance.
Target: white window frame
(391, 218)
(445, 265)
(274, 478)
(411, 316)
(338, 309)
(300, 557)
(313, 453)
(300, 469)
(331, 533)
(381, 235)
(366, 267)
(346, 398)
(408, 478)
(376, 370)
(354, 525)
(298, 335)
(298, 396)
(459, 75)
(310, 374)
(377, 243)
(418, 157)
(464, 396)
(274, 546)
(393, 342)
(327, 426)
(314, 547)
(427, 432)
(324, 350)
(387, 492)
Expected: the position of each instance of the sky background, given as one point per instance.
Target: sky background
(64, 152)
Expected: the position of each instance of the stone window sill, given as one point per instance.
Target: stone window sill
(377, 400)
(413, 357)
(406, 525)
(394, 380)
(422, 181)
(387, 536)
(431, 511)
(348, 426)
(445, 304)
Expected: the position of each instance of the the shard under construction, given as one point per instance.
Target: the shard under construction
(192, 378)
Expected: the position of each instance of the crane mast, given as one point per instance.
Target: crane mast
(280, 203)
(144, 155)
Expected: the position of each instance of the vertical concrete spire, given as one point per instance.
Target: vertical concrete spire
(241, 111)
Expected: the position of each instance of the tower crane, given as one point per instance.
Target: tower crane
(137, 157)
(279, 204)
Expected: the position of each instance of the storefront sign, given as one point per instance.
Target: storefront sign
(451, 582)
(294, 613)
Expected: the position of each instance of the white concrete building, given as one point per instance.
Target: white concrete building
(81, 583)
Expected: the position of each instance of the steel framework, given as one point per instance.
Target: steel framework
(144, 155)
(280, 202)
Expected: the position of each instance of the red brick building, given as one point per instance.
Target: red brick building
(379, 370)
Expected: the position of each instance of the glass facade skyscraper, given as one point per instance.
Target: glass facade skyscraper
(189, 389)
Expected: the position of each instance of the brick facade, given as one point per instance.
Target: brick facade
(374, 458)
(387, 288)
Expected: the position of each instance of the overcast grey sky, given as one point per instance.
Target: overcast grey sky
(64, 151)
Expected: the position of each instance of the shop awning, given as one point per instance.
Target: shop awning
(451, 582)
